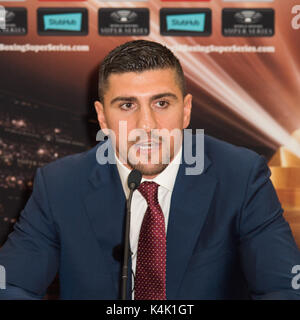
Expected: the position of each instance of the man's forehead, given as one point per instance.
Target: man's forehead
(145, 83)
(141, 74)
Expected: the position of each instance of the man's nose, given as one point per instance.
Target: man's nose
(146, 118)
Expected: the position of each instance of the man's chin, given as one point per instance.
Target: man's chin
(150, 170)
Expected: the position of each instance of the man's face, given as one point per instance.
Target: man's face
(148, 100)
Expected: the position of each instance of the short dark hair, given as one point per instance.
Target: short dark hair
(138, 56)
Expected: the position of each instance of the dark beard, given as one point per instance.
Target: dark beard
(152, 171)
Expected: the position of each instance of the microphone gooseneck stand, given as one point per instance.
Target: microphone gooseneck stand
(134, 180)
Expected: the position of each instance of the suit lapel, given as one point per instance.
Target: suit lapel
(191, 198)
(106, 206)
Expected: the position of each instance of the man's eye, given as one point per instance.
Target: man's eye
(126, 106)
(162, 104)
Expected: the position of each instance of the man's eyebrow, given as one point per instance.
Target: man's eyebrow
(134, 99)
(128, 99)
(163, 95)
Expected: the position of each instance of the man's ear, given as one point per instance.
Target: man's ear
(187, 108)
(100, 115)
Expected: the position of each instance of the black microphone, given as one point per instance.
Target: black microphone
(134, 180)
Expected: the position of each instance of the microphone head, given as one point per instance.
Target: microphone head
(134, 179)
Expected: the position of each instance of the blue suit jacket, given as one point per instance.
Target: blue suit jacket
(226, 236)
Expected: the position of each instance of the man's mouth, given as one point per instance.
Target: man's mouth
(147, 145)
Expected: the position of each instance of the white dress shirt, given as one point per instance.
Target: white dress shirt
(165, 180)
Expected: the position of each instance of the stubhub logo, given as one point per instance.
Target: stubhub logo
(186, 22)
(62, 21)
(67, 21)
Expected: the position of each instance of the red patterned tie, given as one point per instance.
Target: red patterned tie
(150, 279)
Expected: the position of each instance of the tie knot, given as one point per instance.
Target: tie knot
(149, 191)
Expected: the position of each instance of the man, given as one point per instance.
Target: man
(215, 235)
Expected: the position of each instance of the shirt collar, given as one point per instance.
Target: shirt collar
(165, 179)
